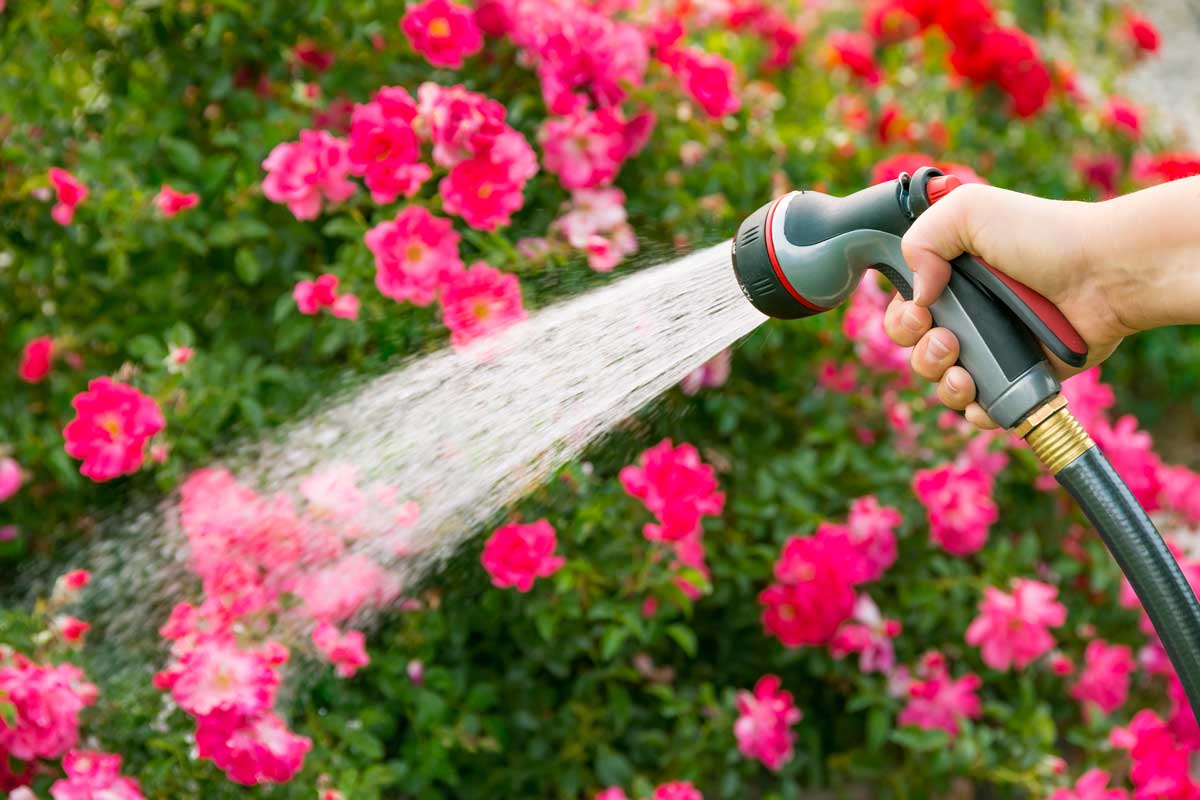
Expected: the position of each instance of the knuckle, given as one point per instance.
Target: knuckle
(949, 398)
(923, 364)
(963, 384)
(941, 347)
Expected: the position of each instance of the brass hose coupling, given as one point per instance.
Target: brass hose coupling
(1054, 434)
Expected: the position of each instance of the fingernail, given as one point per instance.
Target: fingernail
(953, 382)
(911, 319)
(936, 350)
(916, 287)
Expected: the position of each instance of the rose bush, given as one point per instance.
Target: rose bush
(802, 574)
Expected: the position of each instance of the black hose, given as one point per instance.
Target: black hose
(1144, 558)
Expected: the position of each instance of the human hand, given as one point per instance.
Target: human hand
(1049, 245)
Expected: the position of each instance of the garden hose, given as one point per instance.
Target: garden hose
(806, 252)
(1083, 470)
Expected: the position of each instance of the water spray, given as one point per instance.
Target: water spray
(805, 252)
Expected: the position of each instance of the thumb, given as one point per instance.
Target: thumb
(938, 235)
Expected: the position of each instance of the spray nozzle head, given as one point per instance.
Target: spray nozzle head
(756, 265)
(805, 252)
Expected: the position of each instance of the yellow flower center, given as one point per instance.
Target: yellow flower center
(223, 681)
(482, 311)
(414, 252)
(439, 28)
(484, 191)
(111, 426)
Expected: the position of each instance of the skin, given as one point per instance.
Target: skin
(1114, 268)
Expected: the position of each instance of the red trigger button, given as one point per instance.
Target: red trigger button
(940, 186)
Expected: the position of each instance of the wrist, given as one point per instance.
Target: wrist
(1142, 251)
(1127, 279)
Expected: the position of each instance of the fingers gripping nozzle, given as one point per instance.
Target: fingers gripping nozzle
(806, 252)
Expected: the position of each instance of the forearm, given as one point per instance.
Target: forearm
(1146, 250)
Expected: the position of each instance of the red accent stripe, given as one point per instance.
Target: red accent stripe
(1046, 311)
(775, 262)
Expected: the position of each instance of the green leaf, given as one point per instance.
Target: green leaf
(283, 307)
(429, 706)
(343, 228)
(181, 334)
(363, 743)
(685, 637)
(546, 622)
(229, 232)
(8, 714)
(146, 348)
(184, 155)
(223, 234)
(611, 642)
(481, 697)
(252, 411)
(919, 739)
(119, 268)
(879, 722)
(247, 266)
(227, 138)
(333, 338)
(612, 768)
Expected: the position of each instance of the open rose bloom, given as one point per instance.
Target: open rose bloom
(70, 192)
(765, 718)
(937, 701)
(1012, 629)
(416, 255)
(675, 486)
(280, 557)
(113, 422)
(269, 275)
(36, 359)
(10, 478)
(515, 555)
(94, 775)
(306, 174)
(171, 201)
(479, 301)
(313, 296)
(442, 31)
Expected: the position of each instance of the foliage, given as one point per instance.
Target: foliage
(619, 668)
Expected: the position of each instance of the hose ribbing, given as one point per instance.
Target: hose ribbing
(1144, 558)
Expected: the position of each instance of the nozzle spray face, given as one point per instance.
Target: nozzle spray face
(758, 272)
(805, 252)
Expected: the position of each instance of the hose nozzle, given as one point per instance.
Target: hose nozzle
(805, 252)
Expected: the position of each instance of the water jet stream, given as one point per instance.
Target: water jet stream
(464, 433)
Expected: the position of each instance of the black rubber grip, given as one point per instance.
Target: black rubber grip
(1144, 558)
